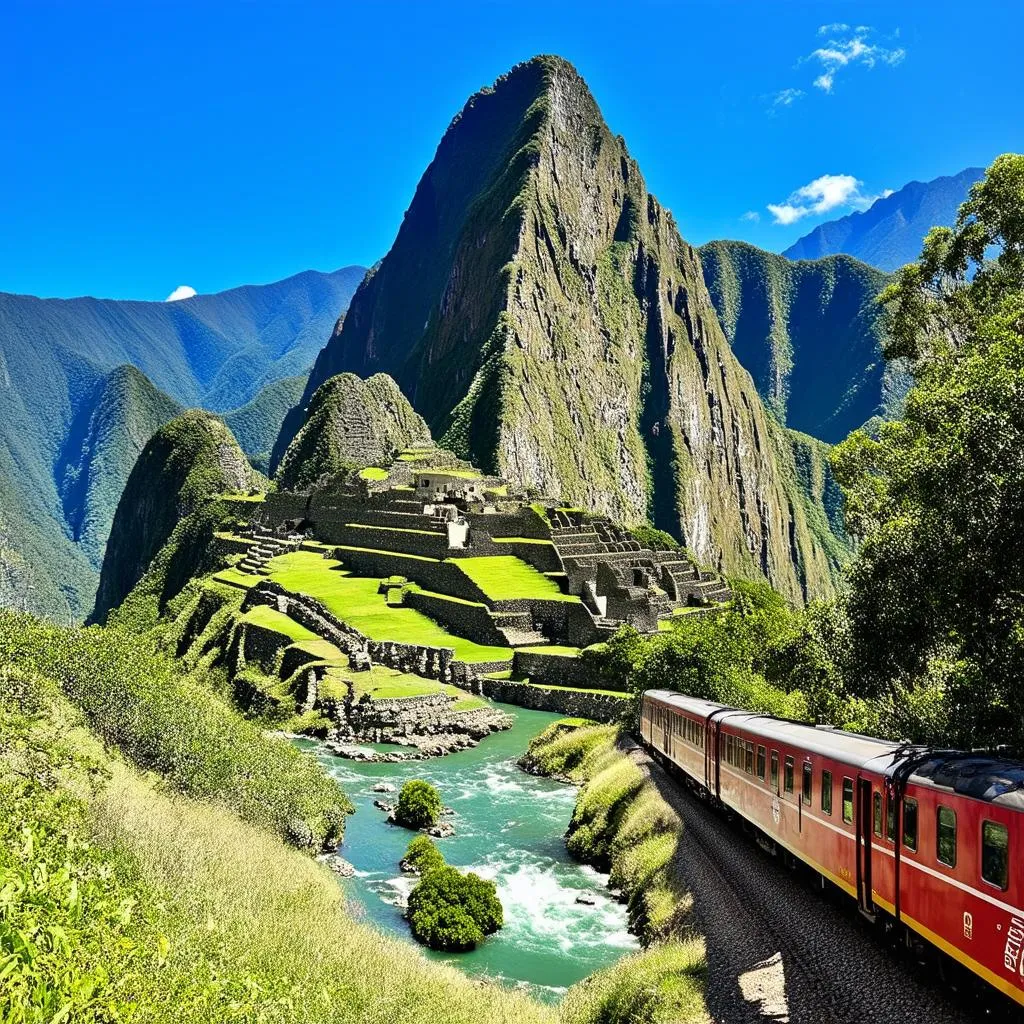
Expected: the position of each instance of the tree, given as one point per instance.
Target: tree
(453, 912)
(421, 856)
(935, 602)
(419, 805)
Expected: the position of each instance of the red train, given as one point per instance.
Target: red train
(933, 839)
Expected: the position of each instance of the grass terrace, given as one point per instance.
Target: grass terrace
(507, 578)
(355, 600)
(270, 618)
(382, 683)
(561, 652)
(373, 473)
(521, 540)
(236, 578)
(393, 529)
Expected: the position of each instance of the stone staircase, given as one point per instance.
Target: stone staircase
(518, 630)
(265, 546)
(686, 584)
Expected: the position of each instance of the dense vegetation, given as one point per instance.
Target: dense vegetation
(419, 805)
(125, 902)
(452, 911)
(141, 704)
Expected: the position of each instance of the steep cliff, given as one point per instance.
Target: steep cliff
(185, 464)
(810, 332)
(350, 423)
(543, 314)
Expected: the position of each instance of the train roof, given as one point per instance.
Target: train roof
(994, 780)
(849, 747)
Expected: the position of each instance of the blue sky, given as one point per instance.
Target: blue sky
(147, 145)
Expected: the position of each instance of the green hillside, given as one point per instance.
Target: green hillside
(73, 422)
(257, 423)
(811, 334)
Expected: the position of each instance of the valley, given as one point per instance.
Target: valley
(541, 626)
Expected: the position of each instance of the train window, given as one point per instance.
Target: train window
(761, 754)
(890, 818)
(789, 774)
(807, 783)
(728, 750)
(909, 823)
(775, 771)
(848, 800)
(826, 792)
(878, 814)
(748, 766)
(995, 854)
(945, 836)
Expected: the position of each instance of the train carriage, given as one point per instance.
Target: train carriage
(919, 838)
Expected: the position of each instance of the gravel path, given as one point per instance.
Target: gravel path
(780, 951)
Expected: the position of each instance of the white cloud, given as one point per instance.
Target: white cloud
(751, 215)
(847, 47)
(786, 98)
(829, 192)
(183, 291)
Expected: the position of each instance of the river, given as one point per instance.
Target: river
(509, 828)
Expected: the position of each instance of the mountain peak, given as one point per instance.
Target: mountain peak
(544, 316)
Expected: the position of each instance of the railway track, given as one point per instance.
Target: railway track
(780, 951)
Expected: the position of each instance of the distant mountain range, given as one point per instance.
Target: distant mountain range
(889, 233)
(85, 383)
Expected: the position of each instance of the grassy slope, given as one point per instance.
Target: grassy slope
(505, 578)
(622, 825)
(139, 905)
(355, 600)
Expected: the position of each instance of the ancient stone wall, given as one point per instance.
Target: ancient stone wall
(557, 670)
(599, 707)
(472, 621)
(377, 538)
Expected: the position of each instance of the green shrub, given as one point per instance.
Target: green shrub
(421, 856)
(139, 702)
(562, 749)
(662, 985)
(452, 911)
(419, 805)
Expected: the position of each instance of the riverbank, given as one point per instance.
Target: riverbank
(509, 827)
(621, 824)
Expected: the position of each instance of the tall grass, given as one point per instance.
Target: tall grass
(163, 721)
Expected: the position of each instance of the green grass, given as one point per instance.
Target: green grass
(394, 529)
(507, 578)
(562, 652)
(270, 618)
(236, 578)
(373, 473)
(382, 551)
(521, 540)
(355, 600)
(253, 499)
(458, 474)
(382, 683)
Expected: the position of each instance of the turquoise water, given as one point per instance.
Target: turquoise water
(509, 828)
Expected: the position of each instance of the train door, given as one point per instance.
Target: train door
(863, 818)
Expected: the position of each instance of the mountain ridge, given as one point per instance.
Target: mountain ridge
(889, 233)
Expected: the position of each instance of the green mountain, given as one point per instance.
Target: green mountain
(350, 423)
(257, 423)
(810, 332)
(890, 232)
(186, 463)
(59, 362)
(543, 314)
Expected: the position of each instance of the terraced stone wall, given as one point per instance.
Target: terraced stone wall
(427, 545)
(599, 707)
(557, 670)
(471, 621)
